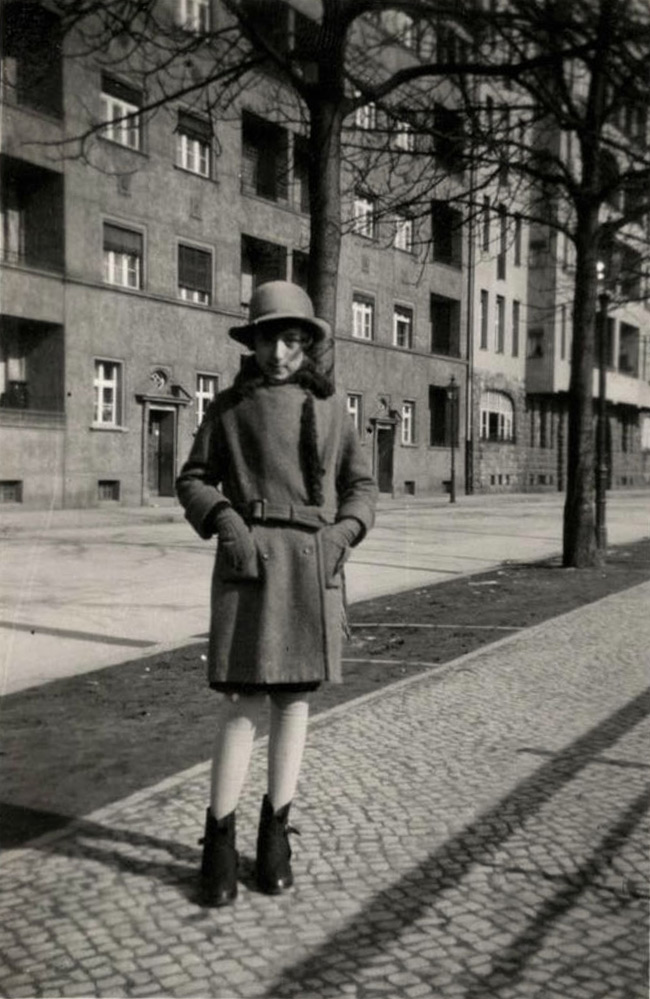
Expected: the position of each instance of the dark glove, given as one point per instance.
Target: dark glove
(336, 540)
(235, 539)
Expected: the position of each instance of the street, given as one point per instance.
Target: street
(82, 589)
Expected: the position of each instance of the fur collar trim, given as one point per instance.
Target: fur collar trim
(250, 377)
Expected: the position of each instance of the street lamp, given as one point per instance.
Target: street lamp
(452, 395)
(601, 426)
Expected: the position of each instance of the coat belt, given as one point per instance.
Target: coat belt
(259, 511)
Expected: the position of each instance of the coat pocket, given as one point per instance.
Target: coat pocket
(250, 570)
(331, 561)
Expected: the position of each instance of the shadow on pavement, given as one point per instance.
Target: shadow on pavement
(408, 899)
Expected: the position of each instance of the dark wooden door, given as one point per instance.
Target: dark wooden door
(385, 459)
(160, 452)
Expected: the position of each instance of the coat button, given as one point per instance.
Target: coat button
(265, 556)
(307, 551)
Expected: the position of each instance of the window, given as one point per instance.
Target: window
(518, 241)
(404, 234)
(445, 326)
(363, 317)
(403, 327)
(107, 411)
(260, 261)
(448, 138)
(446, 232)
(207, 387)
(194, 275)
(403, 137)
(364, 216)
(483, 319)
(535, 343)
(516, 319)
(497, 417)
(645, 433)
(301, 174)
(12, 227)
(122, 256)
(193, 144)
(32, 61)
(503, 244)
(11, 491)
(194, 15)
(300, 268)
(408, 422)
(108, 490)
(485, 229)
(354, 409)
(365, 117)
(439, 417)
(121, 104)
(628, 351)
(265, 152)
(500, 324)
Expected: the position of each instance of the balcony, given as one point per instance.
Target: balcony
(32, 66)
(31, 215)
(31, 373)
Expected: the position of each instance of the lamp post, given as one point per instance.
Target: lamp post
(601, 426)
(452, 395)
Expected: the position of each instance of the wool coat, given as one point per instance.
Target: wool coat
(280, 619)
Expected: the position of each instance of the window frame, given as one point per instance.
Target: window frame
(363, 211)
(363, 317)
(405, 315)
(407, 429)
(196, 296)
(500, 325)
(404, 225)
(194, 151)
(101, 384)
(121, 118)
(115, 261)
(189, 16)
(355, 409)
(492, 404)
(203, 398)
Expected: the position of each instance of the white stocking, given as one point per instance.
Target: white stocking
(240, 714)
(289, 717)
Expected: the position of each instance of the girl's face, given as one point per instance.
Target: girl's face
(280, 353)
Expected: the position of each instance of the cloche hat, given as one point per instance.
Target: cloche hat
(276, 300)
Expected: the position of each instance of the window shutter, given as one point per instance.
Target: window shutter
(194, 127)
(123, 92)
(195, 269)
(121, 240)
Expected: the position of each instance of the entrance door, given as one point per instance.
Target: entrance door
(160, 452)
(385, 459)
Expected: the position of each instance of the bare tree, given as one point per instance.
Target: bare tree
(576, 70)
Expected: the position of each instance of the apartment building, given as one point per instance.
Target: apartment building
(125, 260)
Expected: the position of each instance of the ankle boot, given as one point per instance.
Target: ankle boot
(218, 882)
(274, 874)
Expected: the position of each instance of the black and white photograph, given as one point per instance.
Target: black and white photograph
(324, 499)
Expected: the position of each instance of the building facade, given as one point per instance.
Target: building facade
(125, 261)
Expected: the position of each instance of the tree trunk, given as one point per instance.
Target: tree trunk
(579, 544)
(325, 207)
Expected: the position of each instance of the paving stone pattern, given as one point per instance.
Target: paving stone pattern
(479, 831)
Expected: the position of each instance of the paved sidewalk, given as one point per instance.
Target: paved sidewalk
(478, 831)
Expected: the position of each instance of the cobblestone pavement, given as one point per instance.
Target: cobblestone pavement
(479, 831)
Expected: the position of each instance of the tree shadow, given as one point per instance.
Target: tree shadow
(375, 928)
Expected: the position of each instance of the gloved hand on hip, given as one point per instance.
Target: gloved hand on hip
(336, 540)
(235, 539)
